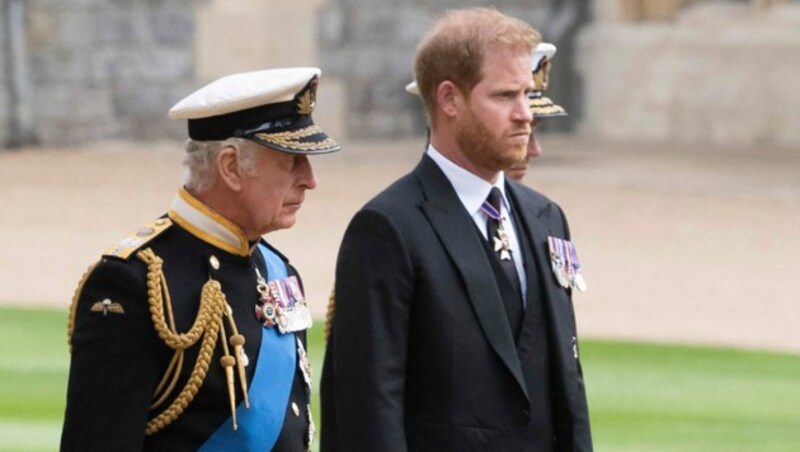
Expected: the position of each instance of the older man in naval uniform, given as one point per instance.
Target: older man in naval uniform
(189, 334)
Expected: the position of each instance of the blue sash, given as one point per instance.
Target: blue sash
(260, 426)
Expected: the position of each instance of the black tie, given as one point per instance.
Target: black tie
(500, 244)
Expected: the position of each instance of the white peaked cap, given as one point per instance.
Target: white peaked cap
(542, 50)
(271, 107)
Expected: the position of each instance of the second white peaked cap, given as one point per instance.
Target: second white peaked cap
(543, 50)
(271, 107)
(542, 106)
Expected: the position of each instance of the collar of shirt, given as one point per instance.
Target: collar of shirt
(471, 189)
(207, 225)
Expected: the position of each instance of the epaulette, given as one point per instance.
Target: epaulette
(136, 239)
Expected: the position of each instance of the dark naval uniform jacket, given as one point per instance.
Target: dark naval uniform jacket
(421, 354)
(118, 358)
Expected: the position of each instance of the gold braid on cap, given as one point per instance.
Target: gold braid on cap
(290, 139)
(208, 323)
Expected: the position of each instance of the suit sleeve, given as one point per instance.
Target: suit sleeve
(112, 371)
(374, 293)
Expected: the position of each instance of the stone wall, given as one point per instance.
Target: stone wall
(721, 73)
(263, 34)
(370, 44)
(673, 70)
(101, 69)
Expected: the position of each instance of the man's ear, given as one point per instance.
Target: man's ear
(228, 169)
(449, 97)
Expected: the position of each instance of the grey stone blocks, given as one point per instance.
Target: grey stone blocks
(104, 69)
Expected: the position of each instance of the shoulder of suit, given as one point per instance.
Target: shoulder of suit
(398, 198)
(403, 188)
(141, 236)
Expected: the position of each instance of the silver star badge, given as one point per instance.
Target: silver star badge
(503, 247)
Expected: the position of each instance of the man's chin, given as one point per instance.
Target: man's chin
(517, 172)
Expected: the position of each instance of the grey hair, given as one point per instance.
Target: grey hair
(200, 174)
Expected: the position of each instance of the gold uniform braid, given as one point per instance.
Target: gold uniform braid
(213, 307)
(73, 307)
(329, 314)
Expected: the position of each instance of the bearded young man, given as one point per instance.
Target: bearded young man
(450, 331)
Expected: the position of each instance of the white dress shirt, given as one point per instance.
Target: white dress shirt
(473, 191)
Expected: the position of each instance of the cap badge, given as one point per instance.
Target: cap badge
(541, 75)
(307, 99)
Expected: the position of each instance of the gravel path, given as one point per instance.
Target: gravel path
(680, 244)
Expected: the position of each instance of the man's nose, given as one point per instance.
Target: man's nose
(522, 110)
(306, 173)
(534, 149)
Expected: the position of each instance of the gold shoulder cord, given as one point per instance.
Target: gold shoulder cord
(329, 315)
(208, 323)
(73, 306)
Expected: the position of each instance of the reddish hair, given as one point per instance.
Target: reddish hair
(455, 47)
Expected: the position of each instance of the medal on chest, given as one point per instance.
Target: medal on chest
(500, 242)
(502, 245)
(565, 264)
(282, 303)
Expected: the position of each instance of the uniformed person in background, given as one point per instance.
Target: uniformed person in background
(190, 333)
(541, 105)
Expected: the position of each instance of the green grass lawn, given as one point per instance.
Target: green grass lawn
(667, 398)
(642, 397)
(33, 378)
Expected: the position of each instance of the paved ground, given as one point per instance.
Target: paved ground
(680, 244)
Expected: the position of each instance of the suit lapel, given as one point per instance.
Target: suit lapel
(557, 306)
(455, 229)
(533, 304)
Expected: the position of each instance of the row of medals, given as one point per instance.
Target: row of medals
(563, 258)
(565, 264)
(283, 304)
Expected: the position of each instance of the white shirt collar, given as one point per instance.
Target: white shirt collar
(471, 189)
(207, 225)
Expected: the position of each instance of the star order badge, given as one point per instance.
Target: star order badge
(267, 312)
(502, 244)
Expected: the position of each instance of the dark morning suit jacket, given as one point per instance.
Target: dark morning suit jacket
(421, 356)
